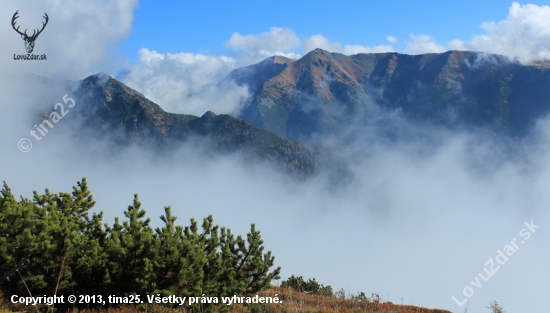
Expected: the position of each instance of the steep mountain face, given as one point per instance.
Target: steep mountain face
(110, 110)
(323, 92)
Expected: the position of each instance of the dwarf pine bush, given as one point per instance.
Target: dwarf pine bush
(72, 252)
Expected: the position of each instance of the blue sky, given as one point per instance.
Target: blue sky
(204, 26)
(176, 48)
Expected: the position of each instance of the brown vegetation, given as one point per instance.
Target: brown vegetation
(293, 302)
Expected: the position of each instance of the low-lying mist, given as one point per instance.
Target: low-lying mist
(422, 212)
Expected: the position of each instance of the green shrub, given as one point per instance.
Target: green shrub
(71, 252)
(310, 286)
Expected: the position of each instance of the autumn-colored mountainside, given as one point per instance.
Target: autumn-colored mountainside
(323, 92)
(109, 109)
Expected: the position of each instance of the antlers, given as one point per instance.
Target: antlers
(13, 23)
(43, 24)
(34, 34)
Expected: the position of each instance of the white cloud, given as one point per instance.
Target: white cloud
(321, 42)
(186, 82)
(423, 44)
(523, 35)
(276, 41)
(78, 38)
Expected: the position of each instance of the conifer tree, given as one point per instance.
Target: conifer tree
(132, 253)
(73, 253)
(88, 260)
(16, 219)
(181, 259)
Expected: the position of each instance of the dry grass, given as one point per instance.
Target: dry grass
(293, 301)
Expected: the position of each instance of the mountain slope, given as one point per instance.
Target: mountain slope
(110, 110)
(322, 92)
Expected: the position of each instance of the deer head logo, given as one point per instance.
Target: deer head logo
(29, 40)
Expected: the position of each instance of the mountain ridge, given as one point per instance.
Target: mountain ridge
(109, 109)
(321, 94)
(322, 91)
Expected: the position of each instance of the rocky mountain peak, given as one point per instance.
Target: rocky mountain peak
(322, 91)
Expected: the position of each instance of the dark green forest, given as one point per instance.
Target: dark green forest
(72, 251)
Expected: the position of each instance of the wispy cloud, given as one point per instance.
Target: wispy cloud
(79, 39)
(276, 41)
(523, 35)
(423, 44)
(186, 82)
(320, 41)
(391, 39)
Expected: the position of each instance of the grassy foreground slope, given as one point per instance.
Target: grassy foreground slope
(293, 301)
